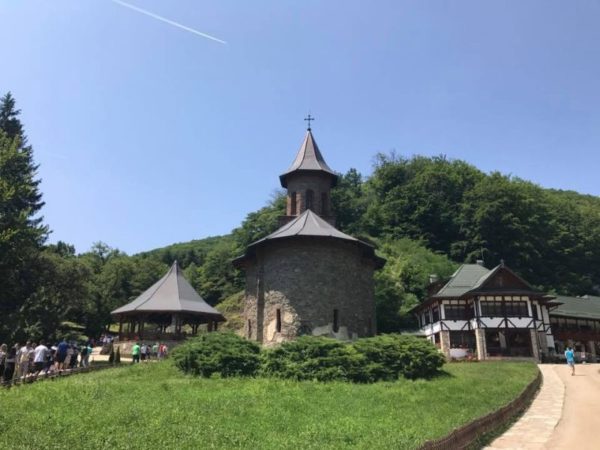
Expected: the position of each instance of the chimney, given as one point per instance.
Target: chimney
(433, 278)
(480, 262)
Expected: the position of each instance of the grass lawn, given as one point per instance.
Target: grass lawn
(154, 406)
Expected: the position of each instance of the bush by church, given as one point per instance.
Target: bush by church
(380, 358)
(225, 354)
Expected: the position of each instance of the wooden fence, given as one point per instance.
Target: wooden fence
(56, 374)
(464, 436)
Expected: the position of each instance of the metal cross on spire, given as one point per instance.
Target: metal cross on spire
(309, 119)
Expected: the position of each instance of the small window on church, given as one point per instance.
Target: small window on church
(278, 323)
(293, 204)
(324, 204)
(249, 328)
(336, 321)
(310, 199)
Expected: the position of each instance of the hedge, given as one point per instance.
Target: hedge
(384, 357)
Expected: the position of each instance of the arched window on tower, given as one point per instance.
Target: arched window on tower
(293, 204)
(324, 204)
(310, 200)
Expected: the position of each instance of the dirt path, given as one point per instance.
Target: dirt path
(580, 421)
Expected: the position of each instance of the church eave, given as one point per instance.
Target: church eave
(283, 178)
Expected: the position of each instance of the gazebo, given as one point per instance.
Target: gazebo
(168, 305)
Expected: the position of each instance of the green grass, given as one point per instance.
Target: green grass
(154, 406)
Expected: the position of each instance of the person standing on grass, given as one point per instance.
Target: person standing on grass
(135, 352)
(40, 354)
(144, 352)
(570, 355)
(155, 351)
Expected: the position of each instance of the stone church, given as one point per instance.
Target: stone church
(307, 277)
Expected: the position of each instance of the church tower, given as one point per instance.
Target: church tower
(307, 277)
(308, 182)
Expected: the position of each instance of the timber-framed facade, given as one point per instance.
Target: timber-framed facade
(480, 314)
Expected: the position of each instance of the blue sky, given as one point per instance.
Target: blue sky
(149, 135)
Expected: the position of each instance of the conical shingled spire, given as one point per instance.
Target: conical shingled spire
(309, 158)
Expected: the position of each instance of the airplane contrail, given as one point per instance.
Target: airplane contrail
(170, 22)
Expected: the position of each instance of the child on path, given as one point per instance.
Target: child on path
(570, 355)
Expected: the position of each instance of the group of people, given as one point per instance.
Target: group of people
(20, 363)
(146, 352)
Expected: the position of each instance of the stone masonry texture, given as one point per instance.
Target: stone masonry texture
(306, 279)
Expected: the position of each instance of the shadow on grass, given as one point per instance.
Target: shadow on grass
(440, 374)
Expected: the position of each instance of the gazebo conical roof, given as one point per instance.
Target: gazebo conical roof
(171, 294)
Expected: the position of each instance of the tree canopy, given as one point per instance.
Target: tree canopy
(426, 215)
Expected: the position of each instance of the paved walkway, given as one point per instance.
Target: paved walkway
(578, 429)
(564, 415)
(96, 356)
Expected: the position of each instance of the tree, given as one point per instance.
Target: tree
(350, 202)
(260, 223)
(218, 278)
(22, 232)
(418, 198)
(401, 283)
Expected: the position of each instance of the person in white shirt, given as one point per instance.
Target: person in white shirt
(40, 354)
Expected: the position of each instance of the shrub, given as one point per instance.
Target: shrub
(118, 355)
(111, 357)
(389, 356)
(315, 358)
(217, 353)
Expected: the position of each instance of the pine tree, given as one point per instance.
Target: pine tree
(22, 232)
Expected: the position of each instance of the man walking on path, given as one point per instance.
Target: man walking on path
(61, 354)
(570, 355)
(40, 354)
(23, 360)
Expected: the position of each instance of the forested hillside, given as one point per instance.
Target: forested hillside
(425, 215)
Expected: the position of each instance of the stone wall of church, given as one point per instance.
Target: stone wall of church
(295, 287)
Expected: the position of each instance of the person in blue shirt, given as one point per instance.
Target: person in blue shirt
(570, 355)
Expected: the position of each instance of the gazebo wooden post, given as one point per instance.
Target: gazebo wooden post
(209, 326)
(142, 328)
(216, 327)
(120, 327)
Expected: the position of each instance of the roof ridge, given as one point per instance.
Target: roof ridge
(177, 286)
(304, 147)
(306, 215)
